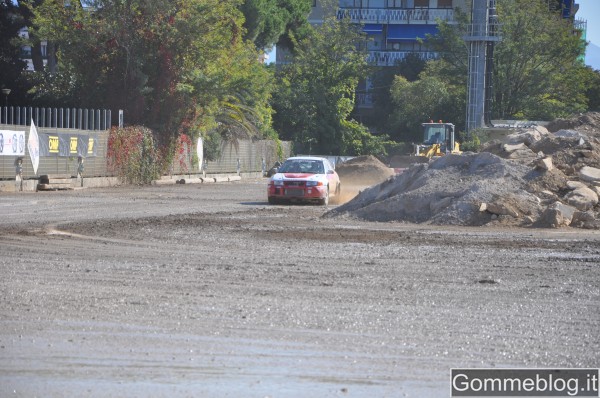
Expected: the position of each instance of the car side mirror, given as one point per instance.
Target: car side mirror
(330, 171)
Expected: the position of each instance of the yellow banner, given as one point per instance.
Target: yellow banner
(73, 145)
(53, 144)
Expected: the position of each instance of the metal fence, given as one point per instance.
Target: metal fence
(246, 156)
(62, 118)
(95, 166)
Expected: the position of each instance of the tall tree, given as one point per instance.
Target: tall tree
(266, 21)
(593, 89)
(170, 65)
(381, 117)
(315, 93)
(429, 98)
(535, 64)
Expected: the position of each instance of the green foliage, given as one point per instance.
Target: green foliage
(177, 66)
(537, 72)
(133, 156)
(398, 148)
(537, 63)
(470, 144)
(212, 145)
(381, 117)
(426, 99)
(593, 89)
(268, 20)
(357, 140)
(315, 93)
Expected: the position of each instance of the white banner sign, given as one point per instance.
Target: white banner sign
(200, 153)
(12, 143)
(33, 145)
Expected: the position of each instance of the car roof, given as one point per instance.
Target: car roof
(306, 158)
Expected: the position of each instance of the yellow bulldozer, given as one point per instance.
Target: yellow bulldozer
(438, 140)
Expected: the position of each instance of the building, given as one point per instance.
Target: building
(395, 28)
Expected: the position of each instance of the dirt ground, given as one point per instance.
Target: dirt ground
(208, 291)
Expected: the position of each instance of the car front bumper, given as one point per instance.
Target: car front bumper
(297, 193)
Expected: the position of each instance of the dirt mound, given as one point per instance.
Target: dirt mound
(550, 182)
(363, 170)
(450, 190)
(587, 122)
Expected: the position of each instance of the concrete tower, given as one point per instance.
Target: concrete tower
(483, 34)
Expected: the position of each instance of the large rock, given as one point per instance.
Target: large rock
(575, 184)
(510, 148)
(501, 209)
(518, 151)
(557, 215)
(585, 219)
(528, 136)
(590, 174)
(583, 198)
(522, 154)
(544, 163)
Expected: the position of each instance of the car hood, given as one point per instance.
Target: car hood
(297, 176)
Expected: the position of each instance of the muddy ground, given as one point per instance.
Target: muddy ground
(207, 291)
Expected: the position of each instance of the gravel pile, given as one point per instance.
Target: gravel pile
(533, 177)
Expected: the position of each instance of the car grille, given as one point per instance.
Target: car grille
(294, 192)
(294, 183)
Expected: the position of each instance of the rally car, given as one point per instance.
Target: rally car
(307, 179)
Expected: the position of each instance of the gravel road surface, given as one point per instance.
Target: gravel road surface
(208, 291)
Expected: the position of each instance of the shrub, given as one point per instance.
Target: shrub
(132, 155)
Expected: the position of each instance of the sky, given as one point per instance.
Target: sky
(590, 11)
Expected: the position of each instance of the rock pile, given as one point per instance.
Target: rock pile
(532, 178)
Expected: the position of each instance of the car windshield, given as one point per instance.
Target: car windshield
(302, 166)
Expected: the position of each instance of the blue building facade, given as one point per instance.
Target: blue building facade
(395, 26)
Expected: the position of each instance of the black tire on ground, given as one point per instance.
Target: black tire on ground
(272, 200)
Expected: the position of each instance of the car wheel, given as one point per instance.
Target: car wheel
(325, 200)
(272, 200)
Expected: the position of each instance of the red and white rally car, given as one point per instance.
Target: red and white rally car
(304, 178)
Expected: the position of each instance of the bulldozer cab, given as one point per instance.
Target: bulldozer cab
(438, 140)
(439, 133)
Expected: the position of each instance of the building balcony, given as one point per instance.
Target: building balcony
(395, 15)
(391, 58)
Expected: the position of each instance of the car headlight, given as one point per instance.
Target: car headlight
(278, 183)
(313, 183)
